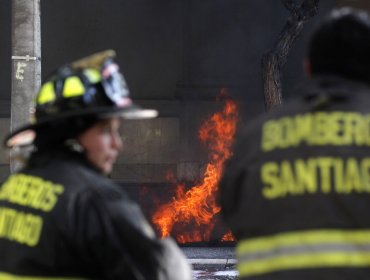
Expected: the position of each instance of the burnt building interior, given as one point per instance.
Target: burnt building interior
(178, 57)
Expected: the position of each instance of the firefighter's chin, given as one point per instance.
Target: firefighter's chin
(107, 165)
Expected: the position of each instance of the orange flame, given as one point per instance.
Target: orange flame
(198, 204)
(228, 237)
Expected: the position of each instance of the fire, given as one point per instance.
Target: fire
(228, 237)
(198, 204)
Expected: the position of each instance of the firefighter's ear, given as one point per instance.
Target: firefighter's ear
(307, 67)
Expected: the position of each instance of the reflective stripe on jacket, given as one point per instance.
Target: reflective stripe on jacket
(304, 249)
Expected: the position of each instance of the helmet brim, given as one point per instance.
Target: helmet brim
(25, 135)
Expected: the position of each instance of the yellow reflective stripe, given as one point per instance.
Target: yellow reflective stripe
(304, 249)
(46, 94)
(311, 237)
(302, 261)
(8, 276)
(93, 75)
(73, 87)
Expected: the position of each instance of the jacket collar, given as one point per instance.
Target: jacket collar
(333, 87)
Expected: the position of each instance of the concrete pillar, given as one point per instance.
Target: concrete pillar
(26, 60)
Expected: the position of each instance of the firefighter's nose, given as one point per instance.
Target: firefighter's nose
(117, 142)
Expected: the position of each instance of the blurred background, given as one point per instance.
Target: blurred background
(176, 56)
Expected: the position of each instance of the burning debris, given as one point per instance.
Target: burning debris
(197, 205)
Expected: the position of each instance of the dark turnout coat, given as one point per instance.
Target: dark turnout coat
(61, 219)
(296, 192)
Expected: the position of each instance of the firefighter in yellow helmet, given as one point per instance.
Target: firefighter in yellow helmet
(296, 193)
(60, 216)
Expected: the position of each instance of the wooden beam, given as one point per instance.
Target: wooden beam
(274, 59)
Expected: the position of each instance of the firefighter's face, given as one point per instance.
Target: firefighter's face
(102, 143)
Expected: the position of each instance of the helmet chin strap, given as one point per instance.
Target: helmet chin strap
(74, 145)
